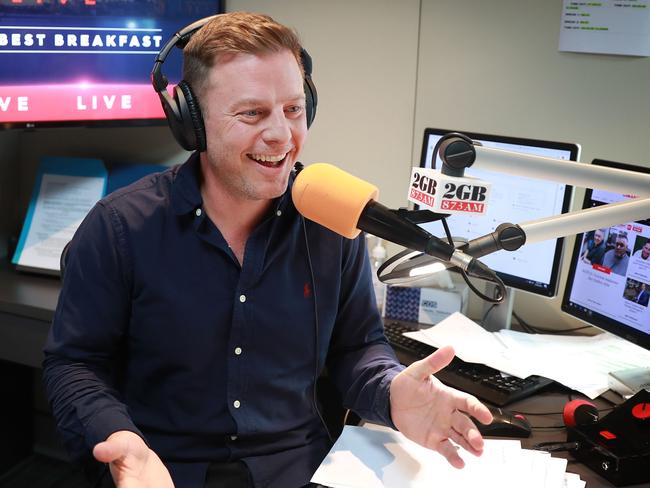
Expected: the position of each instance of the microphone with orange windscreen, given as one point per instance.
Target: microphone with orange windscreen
(347, 205)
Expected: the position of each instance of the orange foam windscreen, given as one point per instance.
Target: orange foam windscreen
(332, 197)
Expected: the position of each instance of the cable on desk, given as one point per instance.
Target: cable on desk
(554, 446)
(487, 312)
(540, 330)
(560, 413)
(539, 413)
(611, 402)
(500, 295)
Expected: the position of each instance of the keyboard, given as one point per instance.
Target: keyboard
(484, 382)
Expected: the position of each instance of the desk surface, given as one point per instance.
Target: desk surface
(27, 304)
(28, 295)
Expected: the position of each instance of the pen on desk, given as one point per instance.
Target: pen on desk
(556, 446)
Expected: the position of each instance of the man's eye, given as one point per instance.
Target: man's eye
(294, 109)
(251, 113)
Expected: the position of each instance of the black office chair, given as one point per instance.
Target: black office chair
(63, 259)
(331, 407)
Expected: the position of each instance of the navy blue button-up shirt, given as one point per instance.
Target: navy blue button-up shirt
(160, 331)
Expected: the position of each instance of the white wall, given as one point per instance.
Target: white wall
(495, 67)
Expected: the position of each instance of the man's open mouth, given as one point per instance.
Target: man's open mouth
(270, 161)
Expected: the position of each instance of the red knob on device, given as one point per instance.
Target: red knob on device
(641, 411)
(579, 412)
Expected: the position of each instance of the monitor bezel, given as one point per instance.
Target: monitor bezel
(85, 124)
(514, 281)
(596, 319)
(113, 121)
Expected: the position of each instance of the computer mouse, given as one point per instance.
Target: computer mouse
(505, 424)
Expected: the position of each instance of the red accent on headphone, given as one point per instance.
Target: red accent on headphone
(579, 412)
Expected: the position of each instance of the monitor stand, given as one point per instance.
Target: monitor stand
(497, 316)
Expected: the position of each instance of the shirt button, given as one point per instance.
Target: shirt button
(198, 212)
(278, 213)
(233, 437)
(242, 298)
(238, 351)
(236, 404)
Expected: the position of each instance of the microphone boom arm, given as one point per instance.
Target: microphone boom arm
(576, 174)
(410, 266)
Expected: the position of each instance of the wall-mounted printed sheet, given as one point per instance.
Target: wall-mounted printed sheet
(606, 27)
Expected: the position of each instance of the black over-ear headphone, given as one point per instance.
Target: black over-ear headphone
(182, 109)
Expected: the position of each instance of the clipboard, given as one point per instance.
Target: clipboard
(64, 191)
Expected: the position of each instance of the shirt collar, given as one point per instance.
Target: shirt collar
(186, 189)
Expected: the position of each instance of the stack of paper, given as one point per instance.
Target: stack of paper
(64, 191)
(578, 362)
(375, 456)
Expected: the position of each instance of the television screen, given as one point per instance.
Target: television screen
(87, 62)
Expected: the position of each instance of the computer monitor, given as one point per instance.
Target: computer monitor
(609, 279)
(533, 268)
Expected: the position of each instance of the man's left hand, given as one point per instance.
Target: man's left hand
(432, 414)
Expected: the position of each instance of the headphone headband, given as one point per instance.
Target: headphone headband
(183, 110)
(180, 40)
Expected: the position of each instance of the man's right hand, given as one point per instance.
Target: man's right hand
(132, 463)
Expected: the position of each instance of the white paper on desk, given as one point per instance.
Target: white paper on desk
(473, 344)
(369, 457)
(572, 480)
(562, 358)
(578, 362)
(551, 471)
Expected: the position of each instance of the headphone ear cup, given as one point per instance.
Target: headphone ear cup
(310, 100)
(311, 96)
(190, 132)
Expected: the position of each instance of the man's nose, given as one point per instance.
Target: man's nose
(278, 129)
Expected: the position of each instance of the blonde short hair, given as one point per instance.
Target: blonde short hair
(233, 33)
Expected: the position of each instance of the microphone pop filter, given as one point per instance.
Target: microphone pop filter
(332, 197)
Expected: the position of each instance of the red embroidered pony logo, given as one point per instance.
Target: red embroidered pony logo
(306, 290)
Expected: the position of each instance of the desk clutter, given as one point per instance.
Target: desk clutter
(617, 446)
(374, 456)
(424, 305)
(582, 363)
(480, 380)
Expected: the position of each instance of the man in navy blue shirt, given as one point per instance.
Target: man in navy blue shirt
(198, 308)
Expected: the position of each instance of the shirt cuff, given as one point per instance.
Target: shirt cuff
(107, 422)
(382, 397)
